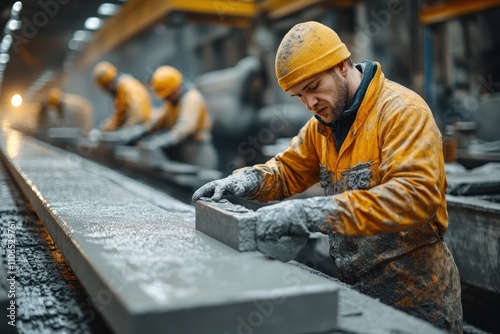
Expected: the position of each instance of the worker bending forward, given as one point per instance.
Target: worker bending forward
(65, 110)
(182, 127)
(376, 150)
(131, 97)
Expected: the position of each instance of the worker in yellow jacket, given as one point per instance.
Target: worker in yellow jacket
(374, 147)
(131, 97)
(182, 127)
(65, 110)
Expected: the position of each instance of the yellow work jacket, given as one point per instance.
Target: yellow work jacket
(132, 105)
(388, 175)
(387, 184)
(188, 119)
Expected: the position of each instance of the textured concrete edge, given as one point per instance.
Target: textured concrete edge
(73, 254)
(231, 224)
(474, 240)
(260, 315)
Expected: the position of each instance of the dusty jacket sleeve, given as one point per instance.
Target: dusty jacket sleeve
(291, 171)
(412, 184)
(117, 119)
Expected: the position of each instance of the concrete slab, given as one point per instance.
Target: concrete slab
(478, 181)
(148, 270)
(474, 240)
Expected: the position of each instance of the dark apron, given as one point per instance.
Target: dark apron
(412, 270)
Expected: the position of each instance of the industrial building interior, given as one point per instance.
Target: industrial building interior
(69, 280)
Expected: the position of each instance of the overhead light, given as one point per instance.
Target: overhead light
(6, 42)
(108, 9)
(4, 58)
(82, 35)
(17, 6)
(93, 23)
(75, 45)
(14, 25)
(16, 100)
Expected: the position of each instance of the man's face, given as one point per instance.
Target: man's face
(176, 94)
(326, 94)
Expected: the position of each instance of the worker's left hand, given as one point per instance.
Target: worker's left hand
(283, 228)
(281, 219)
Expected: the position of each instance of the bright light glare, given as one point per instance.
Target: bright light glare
(108, 9)
(16, 100)
(18, 5)
(93, 23)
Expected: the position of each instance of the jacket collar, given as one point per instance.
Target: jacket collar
(363, 99)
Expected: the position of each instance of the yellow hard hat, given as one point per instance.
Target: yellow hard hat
(165, 80)
(307, 49)
(54, 96)
(104, 72)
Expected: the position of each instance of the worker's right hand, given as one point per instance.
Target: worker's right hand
(241, 184)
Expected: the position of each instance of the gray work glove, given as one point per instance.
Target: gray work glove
(241, 184)
(283, 228)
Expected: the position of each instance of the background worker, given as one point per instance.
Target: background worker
(182, 128)
(132, 100)
(65, 110)
(376, 150)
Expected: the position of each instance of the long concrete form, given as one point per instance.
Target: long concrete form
(147, 269)
(474, 239)
(150, 271)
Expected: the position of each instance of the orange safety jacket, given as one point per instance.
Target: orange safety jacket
(188, 119)
(132, 104)
(387, 184)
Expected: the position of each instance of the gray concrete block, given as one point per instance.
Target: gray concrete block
(231, 224)
(235, 225)
(148, 270)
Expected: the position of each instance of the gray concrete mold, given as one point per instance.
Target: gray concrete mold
(474, 239)
(147, 269)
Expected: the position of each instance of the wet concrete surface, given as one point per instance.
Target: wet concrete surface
(48, 296)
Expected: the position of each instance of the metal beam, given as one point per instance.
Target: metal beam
(453, 9)
(276, 9)
(138, 15)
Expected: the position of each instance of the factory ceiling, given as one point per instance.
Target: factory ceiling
(40, 36)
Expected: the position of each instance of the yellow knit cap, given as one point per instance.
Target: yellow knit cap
(307, 49)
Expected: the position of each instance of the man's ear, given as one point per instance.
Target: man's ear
(343, 66)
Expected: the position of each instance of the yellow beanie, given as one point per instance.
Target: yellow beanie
(165, 80)
(307, 49)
